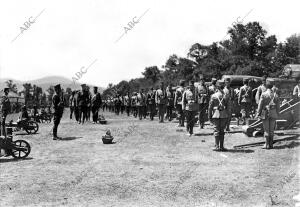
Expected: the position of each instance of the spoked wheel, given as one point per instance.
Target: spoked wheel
(21, 150)
(31, 127)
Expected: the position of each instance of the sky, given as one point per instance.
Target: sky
(64, 37)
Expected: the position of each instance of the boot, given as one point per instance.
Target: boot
(271, 142)
(266, 145)
(222, 148)
(217, 141)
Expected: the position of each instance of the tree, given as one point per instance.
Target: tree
(151, 73)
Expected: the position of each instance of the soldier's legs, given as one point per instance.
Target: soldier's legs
(272, 125)
(56, 121)
(222, 127)
(71, 111)
(266, 125)
(228, 123)
(216, 123)
(202, 112)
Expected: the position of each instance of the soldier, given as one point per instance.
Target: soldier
(296, 91)
(151, 103)
(133, 104)
(5, 109)
(262, 88)
(229, 92)
(95, 104)
(88, 105)
(212, 89)
(245, 100)
(141, 102)
(203, 99)
(127, 103)
(161, 100)
(122, 108)
(58, 106)
(218, 110)
(178, 103)
(190, 105)
(71, 104)
(83, 99)
(144, 110)
(170, 101)
(268, 110)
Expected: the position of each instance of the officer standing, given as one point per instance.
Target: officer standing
(261, 89)
(218, 112)
(141, 103)
(5, 110)
(127, 103)
(151, 103)
(178, 103)
(58, 106)
(170, 101)
(83, 99)
(95, 104)
(245, 100)
(161, 100)
(203, 99)
(229, 92)
(190, 106)
(133, 104)
(268, 110)
(71, 104)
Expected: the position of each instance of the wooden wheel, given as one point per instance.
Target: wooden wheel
(21, 149)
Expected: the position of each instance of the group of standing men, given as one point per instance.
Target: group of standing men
(82, 103)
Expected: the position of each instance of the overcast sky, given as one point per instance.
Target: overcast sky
(69, 35)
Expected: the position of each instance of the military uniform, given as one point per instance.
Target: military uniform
(245, 101)
(71, 104)
(268, 110)
(203, 99)
(95, 104)
(5, 109)
(178, 105)
(151, 104)
(218, 112)
(133, 104)
(83, 100)
(127, 103)
(161, 101)
(261, 89)
(141, 103)
(190, 106)
(230, 94)
(170, 102)
(58, 107)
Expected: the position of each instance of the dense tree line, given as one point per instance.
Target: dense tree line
(248, 51)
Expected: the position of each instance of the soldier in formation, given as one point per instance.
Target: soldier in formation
(178, 103)
(203, 99)
(95, 104)
(161, 100)
(4, 110)
(218, 113)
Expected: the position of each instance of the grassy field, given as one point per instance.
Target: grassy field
(150, 164)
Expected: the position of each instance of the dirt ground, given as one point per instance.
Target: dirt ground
(150, 164)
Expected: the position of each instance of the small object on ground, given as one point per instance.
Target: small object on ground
(101, 119)
(202, 140)
(107, 138)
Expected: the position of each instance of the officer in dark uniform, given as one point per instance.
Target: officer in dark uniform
(134, 104)
(141, 102)
(83, 98)
(218, 110)
(71, 104)
(203, 99)
(5, 110)
(58, 107)
(190, 105)
(151, 103)
(178, 103)
(95, 104)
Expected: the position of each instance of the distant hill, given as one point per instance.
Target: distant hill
(48, 81)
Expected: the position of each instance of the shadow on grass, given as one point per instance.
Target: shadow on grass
(14, 159)
(239, 151)
(69, 138)
(22, 134)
